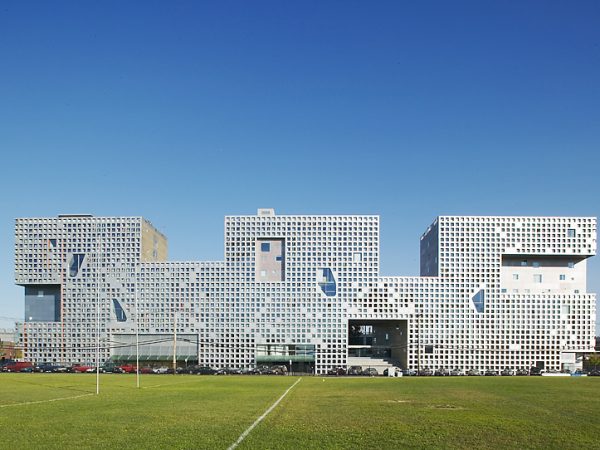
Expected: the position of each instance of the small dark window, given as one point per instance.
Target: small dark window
(265, 247)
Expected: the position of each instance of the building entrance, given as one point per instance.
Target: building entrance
(378, 342)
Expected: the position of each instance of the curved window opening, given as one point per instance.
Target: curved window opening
(326, 282)
(119, 311)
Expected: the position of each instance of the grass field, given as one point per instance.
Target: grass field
(190, 412)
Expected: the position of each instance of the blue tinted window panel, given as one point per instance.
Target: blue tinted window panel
(42, 303)
(479, 301)
(119, 312)
(75, 264)
(328, 285)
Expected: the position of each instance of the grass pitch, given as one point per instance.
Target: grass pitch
(187, 411)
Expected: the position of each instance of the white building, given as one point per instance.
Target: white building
(494, 292)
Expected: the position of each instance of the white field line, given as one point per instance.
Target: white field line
(46, 401)
(257, 421)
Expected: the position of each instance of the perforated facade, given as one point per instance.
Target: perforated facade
(495, 292)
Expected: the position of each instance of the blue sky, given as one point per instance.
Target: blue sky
(184, 112)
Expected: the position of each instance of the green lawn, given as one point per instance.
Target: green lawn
(187, 411)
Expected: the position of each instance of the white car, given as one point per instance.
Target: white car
(393, 372)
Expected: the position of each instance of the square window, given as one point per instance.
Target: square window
(265, 247)
(515, 276)
(571, 232)
(562, 277)
(537, 278)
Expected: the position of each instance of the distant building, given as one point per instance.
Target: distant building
(494, 292)
(8, 348)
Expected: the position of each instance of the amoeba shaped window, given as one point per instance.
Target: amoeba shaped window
(326, 282)
(479, 301)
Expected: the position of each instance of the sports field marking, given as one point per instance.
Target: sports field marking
(46, 401)
(257, 421)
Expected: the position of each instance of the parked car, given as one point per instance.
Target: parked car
(535, 371)
(16, 366)
(109, 367)
(48, 368)
(441, 372)
(473, 373)
(522, 372)
(426, 372)
(370, 372)
(4, 363)
(337, 371)
(265, 370)
(409, 372)
(280, 370)
(161, 370)
(491, 373)
(456, 372)
(188, 369)
(507, 372)
(355, 370)
(205, 370)
(128, 368)
(392, 372)
(79, 368)
(228, 371)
